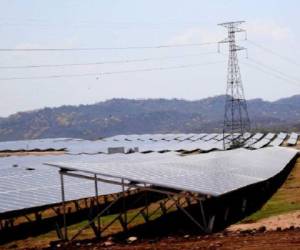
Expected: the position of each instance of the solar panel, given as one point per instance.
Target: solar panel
(184, 137)
(253, 139)
(215, 175)
(209, 137)
(270, 136)
(278, 140)
(264, 141)
(197, 137)
(21, 188)
(171, 137)
(246, 135)
(293, 139)
(219, 137)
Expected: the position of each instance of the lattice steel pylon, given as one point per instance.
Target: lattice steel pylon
(236, 119)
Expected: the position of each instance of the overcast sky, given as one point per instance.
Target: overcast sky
(272, 24)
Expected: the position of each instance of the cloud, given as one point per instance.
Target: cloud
(31, 57)
(268, 30)
(261, 29)
(198, 35)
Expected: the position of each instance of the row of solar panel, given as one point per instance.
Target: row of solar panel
(146, 143)
(25, 182)
(211, 174)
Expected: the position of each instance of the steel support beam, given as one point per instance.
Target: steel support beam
(188, 215)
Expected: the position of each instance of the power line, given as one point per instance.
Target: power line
(285, 58)
(266, 69)
(286, 80)
(103, 62)
(274, 70)
(109, 72)
(107, 48)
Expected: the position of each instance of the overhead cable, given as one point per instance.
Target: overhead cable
(283, 57)
(274, 70)
(106, 48)
(102, 62)
(110, 72)
(286, 80)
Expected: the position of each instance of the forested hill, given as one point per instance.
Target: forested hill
(125, 116)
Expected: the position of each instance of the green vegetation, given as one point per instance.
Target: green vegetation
(286, 199)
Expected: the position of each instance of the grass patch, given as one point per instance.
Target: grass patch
(285, 200)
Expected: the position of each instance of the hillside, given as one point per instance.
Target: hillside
(118, 116)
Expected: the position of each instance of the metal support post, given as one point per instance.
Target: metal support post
(211, 223)
(124, 205)
(187, 214)
(91, 221)
(203, 214)
(146, 202)
(226, 214)
(98, 207)
(65, 235)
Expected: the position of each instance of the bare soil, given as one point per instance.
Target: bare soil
(248, 239)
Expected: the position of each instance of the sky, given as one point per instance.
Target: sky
(272, 41)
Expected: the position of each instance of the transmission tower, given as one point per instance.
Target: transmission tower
(236, 119)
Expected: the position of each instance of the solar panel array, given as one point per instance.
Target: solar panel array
(25, 182)
(144, 143)
(148, 143)
(40, 144)
(212, 174)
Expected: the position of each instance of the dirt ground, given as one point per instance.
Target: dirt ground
(283, 221)
(276, 232)
(245, 239)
